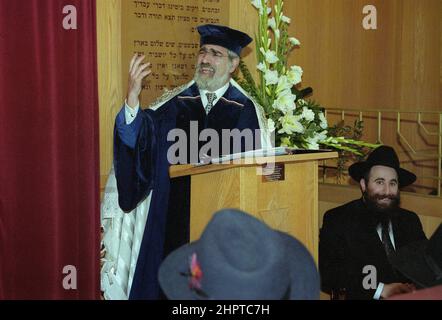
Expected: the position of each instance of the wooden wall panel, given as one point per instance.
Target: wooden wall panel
(110, 82)
(396, 66)
(243, 16)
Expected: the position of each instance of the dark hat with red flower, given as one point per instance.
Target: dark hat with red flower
(240, 257)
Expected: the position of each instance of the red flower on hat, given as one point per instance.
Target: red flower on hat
(196, 274)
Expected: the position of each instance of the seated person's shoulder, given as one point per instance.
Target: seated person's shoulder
(409, 217)
(342, 212)
(409, 214)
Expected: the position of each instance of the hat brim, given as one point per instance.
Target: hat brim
(357, 171)
(410, 261)
(305, 284)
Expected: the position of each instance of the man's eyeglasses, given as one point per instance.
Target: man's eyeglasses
(211, 52)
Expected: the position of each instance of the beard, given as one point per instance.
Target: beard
(210, 82)
(382, 212)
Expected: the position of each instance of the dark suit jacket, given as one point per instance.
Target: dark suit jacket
(349, 241)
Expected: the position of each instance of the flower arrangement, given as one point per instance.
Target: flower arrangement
(295, 121)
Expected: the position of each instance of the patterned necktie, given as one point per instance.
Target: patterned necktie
(210, 98)
(388, 245)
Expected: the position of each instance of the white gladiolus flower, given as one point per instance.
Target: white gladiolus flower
(285, 19)
(271, 77)
(285, 101)
(323, 123)
(270, 55)
(312, 143)
(267, 90)
(272, 23)
(285, 142)
(261, 67)
(261, 49)
(296, 69)
(307, 114)
(271, 125)
(294, 41)
(277, 34)
(257, 4)
(295, 75)
(322, 135)
(290, 124)
(283, 84)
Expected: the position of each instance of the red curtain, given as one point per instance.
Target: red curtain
(49, 177)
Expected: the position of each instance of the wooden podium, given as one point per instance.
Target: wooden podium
(282, 191)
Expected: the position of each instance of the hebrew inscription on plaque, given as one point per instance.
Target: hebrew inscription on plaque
(165, 32)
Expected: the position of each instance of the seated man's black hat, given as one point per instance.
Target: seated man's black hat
(382, 156)
(223, 36)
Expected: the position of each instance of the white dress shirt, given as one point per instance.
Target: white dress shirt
(130, 113)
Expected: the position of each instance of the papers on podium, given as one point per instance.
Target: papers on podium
(258, 153)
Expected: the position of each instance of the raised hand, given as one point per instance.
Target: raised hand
(137, 71)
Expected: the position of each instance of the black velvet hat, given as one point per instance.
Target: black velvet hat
(238, 257)
(382, 156)
(223, 36)
(421, 262)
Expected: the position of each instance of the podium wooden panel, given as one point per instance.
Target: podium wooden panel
(289, 204)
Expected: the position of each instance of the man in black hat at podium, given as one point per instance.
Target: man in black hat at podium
(358, 240)
(212, 100)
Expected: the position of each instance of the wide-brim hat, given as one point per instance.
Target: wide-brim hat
(382, 156)
(223, 36)
(239, 257)
(421, 261)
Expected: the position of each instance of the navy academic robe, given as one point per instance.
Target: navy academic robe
(141, 165)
